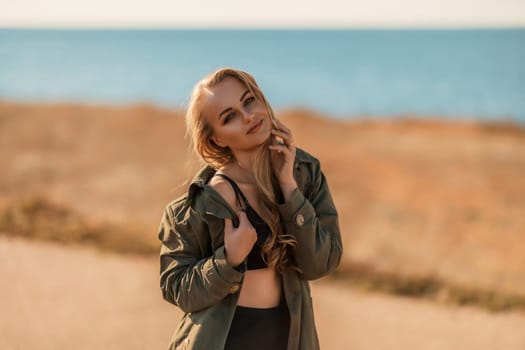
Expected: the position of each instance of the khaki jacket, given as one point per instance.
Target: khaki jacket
(195, 276)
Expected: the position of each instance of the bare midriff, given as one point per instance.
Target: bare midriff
(261, 288)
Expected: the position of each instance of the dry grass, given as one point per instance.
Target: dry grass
(426, 287)
(40, 219)
(416, 196)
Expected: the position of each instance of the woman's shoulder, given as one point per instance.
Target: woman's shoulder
(223, 188)
(308, 168)
(303, 156)
(206, 196)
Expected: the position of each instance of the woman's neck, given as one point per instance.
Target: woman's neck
(241, 168)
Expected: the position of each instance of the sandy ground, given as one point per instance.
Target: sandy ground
(58, 297)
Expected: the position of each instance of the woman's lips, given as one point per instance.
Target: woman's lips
(255, 127)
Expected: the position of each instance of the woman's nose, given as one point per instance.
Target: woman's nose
(248, 116)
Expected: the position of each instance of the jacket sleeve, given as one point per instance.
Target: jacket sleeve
(313, 221)
(188, 280)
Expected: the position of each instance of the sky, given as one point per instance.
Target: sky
(262, 14)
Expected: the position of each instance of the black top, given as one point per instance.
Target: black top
(254, 259)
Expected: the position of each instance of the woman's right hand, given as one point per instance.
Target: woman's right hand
(238, 242)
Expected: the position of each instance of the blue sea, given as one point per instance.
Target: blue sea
(475, 73)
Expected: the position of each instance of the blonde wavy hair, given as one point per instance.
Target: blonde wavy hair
(277, 250)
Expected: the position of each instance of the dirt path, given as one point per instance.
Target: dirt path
(78, 298)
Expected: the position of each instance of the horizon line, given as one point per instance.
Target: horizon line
(217, 27)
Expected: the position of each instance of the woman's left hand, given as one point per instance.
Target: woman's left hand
(284, 172)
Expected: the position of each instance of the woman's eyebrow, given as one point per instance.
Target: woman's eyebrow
(229, 108)
(244, 94)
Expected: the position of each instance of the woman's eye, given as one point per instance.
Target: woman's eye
(228, 117)
(249, 100)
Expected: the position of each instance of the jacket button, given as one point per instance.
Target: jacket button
(299, 220)
(234, 289)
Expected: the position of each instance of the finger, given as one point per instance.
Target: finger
(282, 149)
(242, 215)
(282, 126)
(243, 220)
(278, 140)
(286, 131)
(287, 137)
(281, 133)
(228, 226)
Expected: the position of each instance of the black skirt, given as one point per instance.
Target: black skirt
(259, 329)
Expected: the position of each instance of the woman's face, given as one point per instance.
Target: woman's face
(238, 120)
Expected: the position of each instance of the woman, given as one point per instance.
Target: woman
(256, 223)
